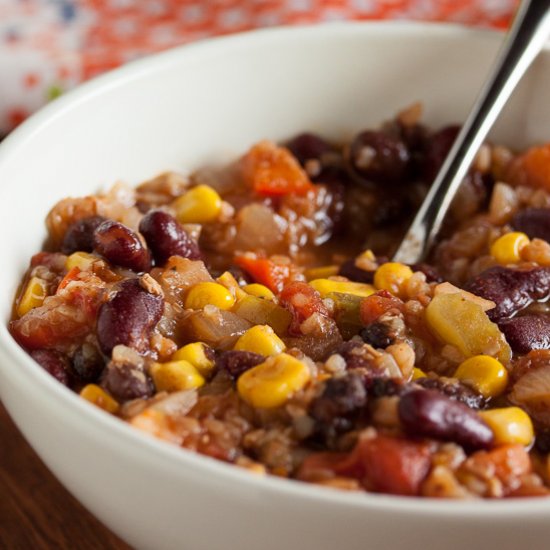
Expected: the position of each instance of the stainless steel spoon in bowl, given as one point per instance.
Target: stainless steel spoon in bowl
(525, 39)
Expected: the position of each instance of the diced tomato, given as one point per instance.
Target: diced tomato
(72, 275)
(63, 319)
(382, 464)
(532, 168)
(319, 465)
(376, 305)
(389, 465)
(265, 271)
(53, 260)
(302, 301)
(51, 326)
(509, 462)
(273, 171)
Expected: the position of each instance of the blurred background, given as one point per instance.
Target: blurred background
(49, 46)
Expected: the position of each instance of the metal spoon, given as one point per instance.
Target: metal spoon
(525, 39)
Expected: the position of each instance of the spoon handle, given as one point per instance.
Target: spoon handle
(525, 39)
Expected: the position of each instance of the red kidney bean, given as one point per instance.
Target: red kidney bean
(534, 222)
(437, 149)
(166, 237)
(129, 317)
(125, 382)
(511, 289)
(53, 362)
(237, 362)
(527, 332)
(121, 246)
(79, 237)
(379, 157)
(427, 413)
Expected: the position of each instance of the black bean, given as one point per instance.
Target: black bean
(308, 146)
(88, 363)
(349, 270)
(379, 386)
(354, 354)
(79, 237)
(379, 158)
(511, 289)
(542, 442)
(534, 222)
(53, 362)
(121, 246)
(342, 401)
(455, 390)
(527, 332)
(432, 275)
(427, 413)
(129, 317)
(166, 237)
(125, 382)
(378, 335)
(237, 362)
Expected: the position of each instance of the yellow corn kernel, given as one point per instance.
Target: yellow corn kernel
(509, 425)
(82, 260)
(322, 272)
(203, 294)
(33, 296)
(94, 394)
(260, 339)
(272, 383)
(506, 249)
(260, 291)
(391, 276)
(198, 354)
(326, 286)
(176, 376)
(227, 280)
(417, 373)
(485, 374)
(367, 255)
(200, 204)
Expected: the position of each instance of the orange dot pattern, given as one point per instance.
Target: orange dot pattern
(50, 46)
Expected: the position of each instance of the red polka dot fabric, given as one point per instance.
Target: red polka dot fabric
(49, 46)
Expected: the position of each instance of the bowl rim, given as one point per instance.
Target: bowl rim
(165, 453)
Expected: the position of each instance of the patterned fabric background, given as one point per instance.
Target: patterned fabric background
(48, 46)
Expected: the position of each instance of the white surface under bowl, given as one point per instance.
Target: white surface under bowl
(179, 110)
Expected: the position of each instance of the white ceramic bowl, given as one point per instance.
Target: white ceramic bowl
(179, 110)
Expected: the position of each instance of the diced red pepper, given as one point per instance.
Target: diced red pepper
(302, 301)
(273, 171)
(376, 305)
(273, 275)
